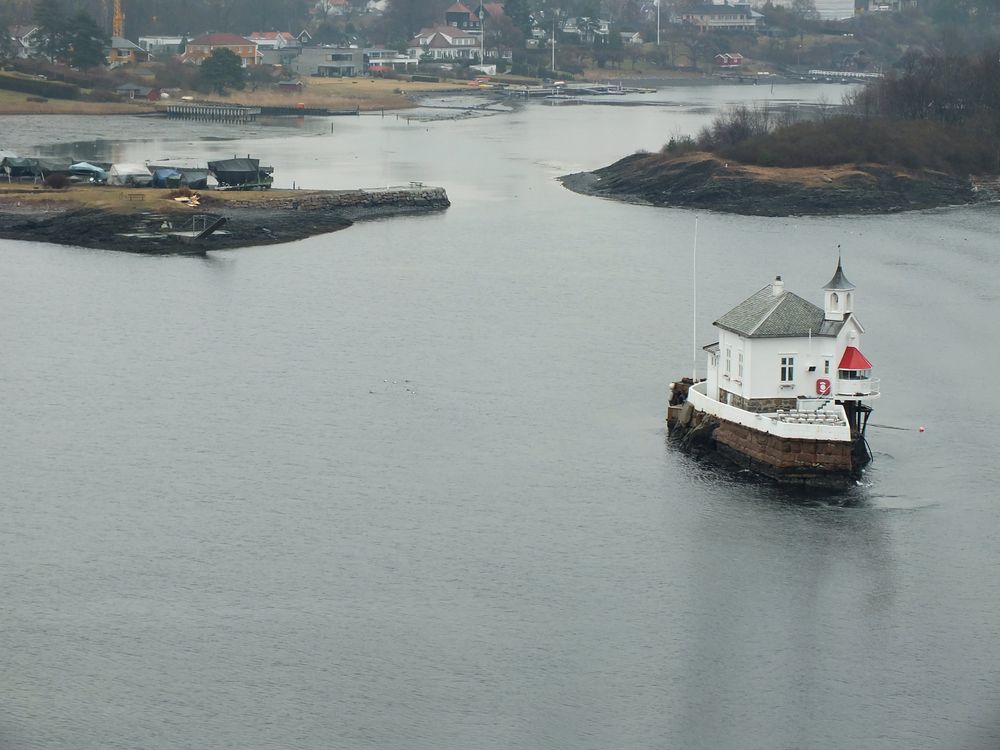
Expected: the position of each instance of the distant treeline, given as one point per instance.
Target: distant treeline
(936, 112)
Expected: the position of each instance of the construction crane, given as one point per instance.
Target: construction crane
(118, 21)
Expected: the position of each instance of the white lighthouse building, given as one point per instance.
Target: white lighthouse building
(776, 348)
(785, 385)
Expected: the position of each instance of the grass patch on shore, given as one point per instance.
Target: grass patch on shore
(16, 103)
(132, 200)
(367, 94)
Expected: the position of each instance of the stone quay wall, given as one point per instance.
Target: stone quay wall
(762, 405)
(785, 455)
(354, 204)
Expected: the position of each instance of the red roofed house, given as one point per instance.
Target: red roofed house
(729, 59)
(491, 10)
(460, 17)
(202, 47)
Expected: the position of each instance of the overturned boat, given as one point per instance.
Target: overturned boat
(241, 174)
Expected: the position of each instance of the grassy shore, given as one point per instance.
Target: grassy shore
(27, 197)
(366, 94)
(17, 103)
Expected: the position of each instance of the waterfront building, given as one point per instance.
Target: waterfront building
(785, 386)
(776, 347)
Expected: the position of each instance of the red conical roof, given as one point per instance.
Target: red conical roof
(853, 359)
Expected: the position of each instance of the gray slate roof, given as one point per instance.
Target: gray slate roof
(118, 42)
(762, 315)
(839, 282)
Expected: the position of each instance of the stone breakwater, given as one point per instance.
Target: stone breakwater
(355, 204)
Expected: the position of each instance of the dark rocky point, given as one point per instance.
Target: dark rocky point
(702, 180)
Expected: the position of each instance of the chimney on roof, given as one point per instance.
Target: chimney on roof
(777, 287)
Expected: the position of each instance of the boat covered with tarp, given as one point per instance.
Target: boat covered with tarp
(176, 177)
(130, 175)
(242, 174)
(18, 167)
(166, 177)
(88, 171)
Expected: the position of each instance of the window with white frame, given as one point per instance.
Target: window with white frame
(729, 360)
(787, 368)
(826, 367)
(739, 365)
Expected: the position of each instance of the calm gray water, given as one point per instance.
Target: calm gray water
(407, 485)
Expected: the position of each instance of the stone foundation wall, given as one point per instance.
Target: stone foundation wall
(763, 405)
(798, 456)
(811, 462)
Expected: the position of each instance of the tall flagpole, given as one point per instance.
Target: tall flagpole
(694, 305)
(553, 40)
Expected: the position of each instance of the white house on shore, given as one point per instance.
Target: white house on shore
(775, 348)
(444, 43)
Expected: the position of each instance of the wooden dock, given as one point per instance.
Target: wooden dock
(213, 112)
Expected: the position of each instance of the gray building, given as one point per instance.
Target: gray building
(330, 61)
(286, 56)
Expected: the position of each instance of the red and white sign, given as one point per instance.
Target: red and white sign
(823, 387)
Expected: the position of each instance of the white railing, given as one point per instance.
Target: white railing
(783, 429)
(862, 388)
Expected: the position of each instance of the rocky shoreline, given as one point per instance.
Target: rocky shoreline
(701, 180)
(150, 223)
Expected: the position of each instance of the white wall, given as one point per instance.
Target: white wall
(762, 364)
(839, 432)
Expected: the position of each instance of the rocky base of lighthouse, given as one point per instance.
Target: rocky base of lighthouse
(823, 463)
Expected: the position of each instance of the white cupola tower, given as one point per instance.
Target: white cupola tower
(839, 296)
